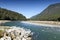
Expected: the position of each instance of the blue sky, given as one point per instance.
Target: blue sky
(28, 8)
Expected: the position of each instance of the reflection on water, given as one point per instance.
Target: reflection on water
(40, 32)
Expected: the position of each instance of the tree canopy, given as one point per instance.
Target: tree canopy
(10, 15)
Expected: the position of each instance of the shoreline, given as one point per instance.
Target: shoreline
(3, 21)
(44, 23)
(40, 23)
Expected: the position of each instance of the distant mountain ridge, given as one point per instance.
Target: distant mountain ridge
(6, 14)
(51, 13)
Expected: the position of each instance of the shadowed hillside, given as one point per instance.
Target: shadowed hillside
(51, 13)
(10, 15)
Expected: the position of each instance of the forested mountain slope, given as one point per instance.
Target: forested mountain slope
(10, 15)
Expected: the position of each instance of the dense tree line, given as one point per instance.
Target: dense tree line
(10, 15)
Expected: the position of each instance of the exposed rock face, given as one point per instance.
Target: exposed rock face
(15, 33)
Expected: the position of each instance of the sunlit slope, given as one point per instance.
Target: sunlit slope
(51, 13)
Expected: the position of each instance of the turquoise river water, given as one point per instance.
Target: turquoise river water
(39, 32)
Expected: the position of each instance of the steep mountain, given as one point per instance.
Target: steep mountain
(10, 15)
(51, 13)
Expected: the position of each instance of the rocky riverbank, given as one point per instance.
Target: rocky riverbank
(14, 33)
(44, 23)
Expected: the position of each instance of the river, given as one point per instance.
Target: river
(39, 32)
